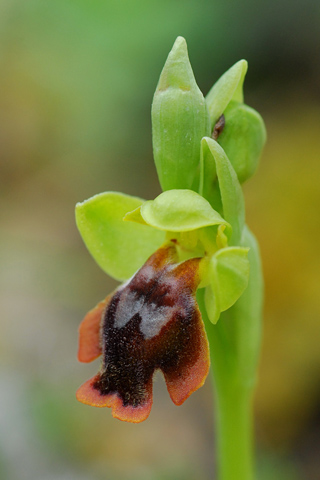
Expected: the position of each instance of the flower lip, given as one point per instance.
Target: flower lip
(152, 322)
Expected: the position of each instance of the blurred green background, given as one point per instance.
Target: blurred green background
(76, 85)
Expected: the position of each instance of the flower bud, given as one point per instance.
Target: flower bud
(228, 87)
(180, 119)
(243, 138)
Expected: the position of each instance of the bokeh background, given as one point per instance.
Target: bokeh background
(76, 84)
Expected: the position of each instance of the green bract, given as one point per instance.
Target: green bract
(180, 119)
(226, 188)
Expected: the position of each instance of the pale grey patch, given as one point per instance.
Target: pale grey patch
(153, 318)
(128, 306)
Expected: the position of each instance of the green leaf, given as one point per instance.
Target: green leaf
(119, 248)
(214, 159)
(178, 211)
(180, 119)
(229, 275)
(227, 88)
(243, 138)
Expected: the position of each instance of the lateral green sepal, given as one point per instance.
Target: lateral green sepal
(118, 247)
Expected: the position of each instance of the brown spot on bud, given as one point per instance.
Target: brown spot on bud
(218, 128)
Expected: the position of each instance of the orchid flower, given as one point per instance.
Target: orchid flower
(153, 316)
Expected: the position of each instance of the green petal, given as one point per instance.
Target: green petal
(227, 88)
(119, 247)
(243, 138)
(180, 211)
(229, 274)
(231, 267)
(214, 159)
(180, 118)
(134, 216)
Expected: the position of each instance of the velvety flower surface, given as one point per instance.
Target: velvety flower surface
(151, 322)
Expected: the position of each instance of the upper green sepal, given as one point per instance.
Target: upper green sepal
(229, 276)
(243, 138)
(180, 119)
(178, 211)
(120, 248)
(227, 88)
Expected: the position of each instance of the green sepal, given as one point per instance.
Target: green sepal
(229, 276)
(243, 138)
(180, 119)
(118, 247)
(214, 161)
(178, 211)
(228, 87)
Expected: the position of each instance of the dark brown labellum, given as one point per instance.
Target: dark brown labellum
(151, 322)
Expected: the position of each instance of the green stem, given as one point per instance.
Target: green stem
(234, 351)
(233, 414)
(232, 407)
